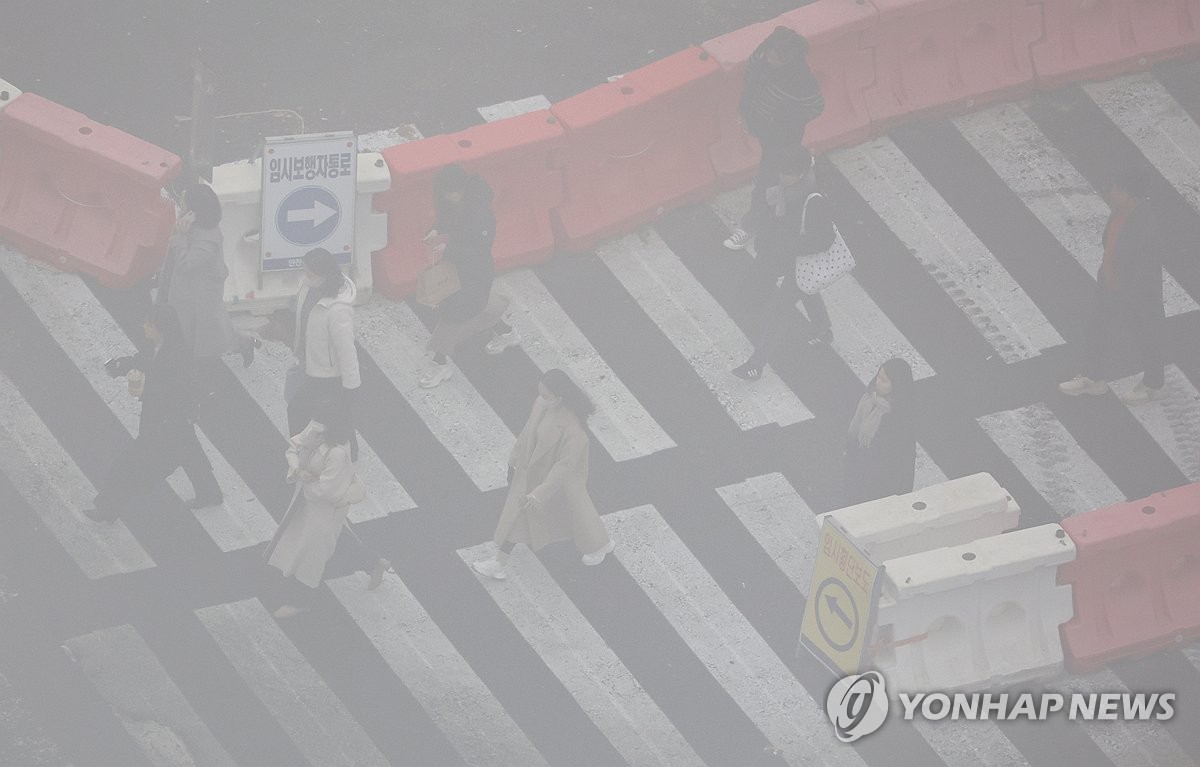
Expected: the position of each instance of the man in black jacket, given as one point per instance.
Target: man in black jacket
(162, 376)
(1128, 289)
(466, 224)
(780, 96)
(799, 223)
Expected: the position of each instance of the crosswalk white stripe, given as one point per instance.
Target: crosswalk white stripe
(1130, 743)
(57, 491)
(1160, 128)
(309, 712)
(89, 335)
(263, 381)
(440, 679)
(785, 527)
(863, 335)
(700, 329)
(455, 412)
(780, 520)
(144, 698)
(948, 249)
(1174, 421)
(552, 340)
(513, 108)
(1053, 190)
(587, 668)
(1051, 460)
(721, 637)
(927, 472)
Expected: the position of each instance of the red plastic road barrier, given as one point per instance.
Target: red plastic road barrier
(84, 196)
(637, 145)
(514, 155)
(840, 56)
(949, 54)
(1135, 578)
(1103, 38)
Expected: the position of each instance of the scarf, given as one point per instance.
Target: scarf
(867, 417)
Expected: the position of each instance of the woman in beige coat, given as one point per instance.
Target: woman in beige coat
(547, 490)
(326, 485)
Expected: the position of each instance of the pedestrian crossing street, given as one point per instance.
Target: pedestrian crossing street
(976, 238)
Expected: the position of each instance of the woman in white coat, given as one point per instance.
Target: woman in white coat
(547, 489)
(326, 485)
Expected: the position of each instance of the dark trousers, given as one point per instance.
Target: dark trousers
(304, 403)
(778, 315)
(1143, 319)
(152, 458)
(773, 154)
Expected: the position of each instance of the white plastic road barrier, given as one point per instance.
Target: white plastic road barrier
(953, 512)
(239, 187)
(975, 616)
(8, 92)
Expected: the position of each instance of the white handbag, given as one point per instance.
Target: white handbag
(817, 272)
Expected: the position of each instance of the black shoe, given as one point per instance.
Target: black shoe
(248, 352)
(100, 515)
(751, 371)
(204, 502)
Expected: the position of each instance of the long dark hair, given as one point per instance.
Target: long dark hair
(573, 398)
(165, 320)
(332, 414)
(900, 374)
(323, 264)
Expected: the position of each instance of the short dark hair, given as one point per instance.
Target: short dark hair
(787, 42)
(1135, 180)
(202, 200)
(451, 178)
(324, 264)
(573, 398)
(333, 414)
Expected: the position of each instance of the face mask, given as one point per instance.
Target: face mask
(311, 281)
(545, 401)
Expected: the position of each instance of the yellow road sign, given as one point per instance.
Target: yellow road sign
(840, 611)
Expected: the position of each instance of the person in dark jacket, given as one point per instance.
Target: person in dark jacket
(192, 281)
(466, 228)
(881, 445)
(800, 224)
(780, 96)
(163, 378)
(1128, 290)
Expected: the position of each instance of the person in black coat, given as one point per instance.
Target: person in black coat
(780, 96)
(162, 376)
(1128, 289)
(466, 227)
(881, 443)
(800, 223)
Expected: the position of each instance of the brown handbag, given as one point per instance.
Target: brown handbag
(437, 283)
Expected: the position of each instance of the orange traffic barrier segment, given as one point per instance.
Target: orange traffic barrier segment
(515, 156)
(84, 196)
(1135, 579)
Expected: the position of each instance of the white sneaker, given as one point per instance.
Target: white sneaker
(490, 568)
(738, 239)
(1141, 394)
(436, 375)
(596, 557)
(1082, 385)
(502, 341)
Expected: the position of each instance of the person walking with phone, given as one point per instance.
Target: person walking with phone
(463, 233)
(547, 497)
(162, 377)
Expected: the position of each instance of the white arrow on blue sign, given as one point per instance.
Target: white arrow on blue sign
(308, 216)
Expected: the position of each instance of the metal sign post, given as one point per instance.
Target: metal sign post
(308, 194)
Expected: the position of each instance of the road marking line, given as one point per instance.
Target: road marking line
(1174, 421)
